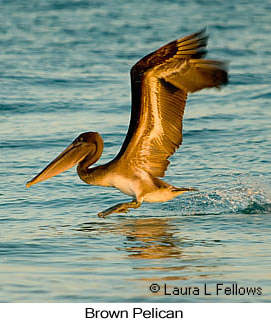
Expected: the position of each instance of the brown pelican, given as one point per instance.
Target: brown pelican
(160, 83)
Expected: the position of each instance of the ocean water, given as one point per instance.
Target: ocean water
(66, 71)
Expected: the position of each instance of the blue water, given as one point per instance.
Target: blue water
(66, 71)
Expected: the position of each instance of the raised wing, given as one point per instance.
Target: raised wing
(160, 84)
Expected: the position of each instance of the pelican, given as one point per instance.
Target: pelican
(160, 84)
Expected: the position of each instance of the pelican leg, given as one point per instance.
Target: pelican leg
(120, 208)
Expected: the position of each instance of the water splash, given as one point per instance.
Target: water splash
(248, 195)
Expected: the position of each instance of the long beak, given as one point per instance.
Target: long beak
(71, 156)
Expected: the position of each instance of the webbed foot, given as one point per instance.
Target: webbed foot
(120, 208)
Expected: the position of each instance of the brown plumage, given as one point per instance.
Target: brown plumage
(160, 84)
(166, 75)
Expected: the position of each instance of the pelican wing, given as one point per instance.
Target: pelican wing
(160, 84)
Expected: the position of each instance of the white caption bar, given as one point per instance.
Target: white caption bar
(135, 312)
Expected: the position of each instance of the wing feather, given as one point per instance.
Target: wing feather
(160, 84)
(161, 128)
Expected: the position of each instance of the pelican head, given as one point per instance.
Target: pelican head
(84, 150)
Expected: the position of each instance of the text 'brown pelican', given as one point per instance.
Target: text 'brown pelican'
(160, 83)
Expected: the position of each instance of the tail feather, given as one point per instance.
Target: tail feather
(184, 189)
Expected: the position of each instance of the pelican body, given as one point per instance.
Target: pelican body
(160, 84)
